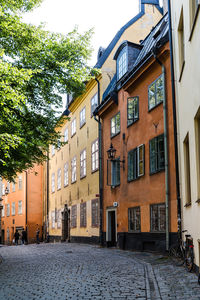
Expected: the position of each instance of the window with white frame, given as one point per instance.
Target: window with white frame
(136, 163)
(20, 182)
(13, 186)
(157, 154)
(95, 156)
(53, 182)
(113, 172)
(122, 64)
(20, 207)
(3, 189)
(94, 103)
(53, 219)
(73, 127)
(74, 216)
(66, 135)
(82, 117)
(8, 186)
(3, 211)
(134, 222)
(8, 210)
(158, 217)
(83, 216)
(59, 179)
(73, 168)
(83, 163)
(59, 218)
(52, 150)
(115, 124)
(66, 174)
(132, 110)
(13, 209)
(59, 144)
(156, 92)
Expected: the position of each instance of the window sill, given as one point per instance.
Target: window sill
(72, 182)
(114, 186)
(130, 180)
(128, 125)
(156, 172)
(134, 231)
(114, 135)
(94, 171)
(194, 23)
(73, 135)
(82, 125)
(181, 72)
(59, 189)
(82, 177)
(198, 201)
(188, 204)
(66, 185)
(95, 226)
(150, 109)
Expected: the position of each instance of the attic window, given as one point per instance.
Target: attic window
(122, 64)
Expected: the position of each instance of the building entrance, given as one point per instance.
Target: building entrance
(111, 232)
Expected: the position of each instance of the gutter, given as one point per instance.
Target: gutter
(166, 151)
(175, 119)
(100, 172)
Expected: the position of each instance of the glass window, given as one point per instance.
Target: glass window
(73, 127)
(59, 219)
(134, 223)
(122, 65)
(66, 135)
(20, 182)
(73, 166)
(8, 186)
(82, 117)
(53, 219)
(132, 110)
(94, 103)
(74, 216)
(13, 208)
(83, 220)
(7, 210)
(59, 179)
(95, 212)
(53, 183)
(66, 174)
(158, 219)
(115, 172)
(95, 156)
(156, 92)
(52, 150)
(83, 164)
(115, 124)
(157, 154)
(3, 211)
(13, 186)
(20, 207)
(3, 189)
(136, 163)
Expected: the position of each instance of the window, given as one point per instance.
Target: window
(53, 219)
(95, 213)
(73, 166)
(13, 208)
(3, 211)
(94, 103)
(66, 135)
(20, 207)
(20, 182)
(59, 179)
(82, 117)
(122, 64)
(8, 186)
(136, 163)
(132, 110)
(59, 219)
(3, 189)
(53, 183)
(134, 223)
(52, 150)
(157, 154)
(74, 216)
(59, 144)
(181, 44)
(95, 156)
(83, 164)
(66, 174)
(13, 186)
(158, 219)
(197, 142)
(156, 92)
(73, 127)
(194, 5)
(113, 175)
(186, 149)
(83, 222)
(7, 210)
(115, 124)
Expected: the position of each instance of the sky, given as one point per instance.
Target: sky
(105, 16)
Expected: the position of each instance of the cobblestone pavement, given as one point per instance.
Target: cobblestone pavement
(73, 271)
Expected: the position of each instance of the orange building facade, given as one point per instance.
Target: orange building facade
(22, 205)
(139, 186)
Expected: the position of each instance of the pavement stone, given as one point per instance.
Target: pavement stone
(66, 271)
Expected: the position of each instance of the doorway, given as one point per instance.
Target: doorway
(111, 231)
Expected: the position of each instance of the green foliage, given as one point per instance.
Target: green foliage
(36, 66)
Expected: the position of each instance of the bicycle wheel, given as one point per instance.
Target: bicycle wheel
(176, 251)
(189, 259)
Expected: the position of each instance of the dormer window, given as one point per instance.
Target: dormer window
(122, 64)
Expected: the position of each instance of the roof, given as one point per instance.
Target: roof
(155, 39)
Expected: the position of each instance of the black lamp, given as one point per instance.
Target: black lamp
(111, 152)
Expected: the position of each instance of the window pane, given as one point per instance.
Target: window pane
(159, 90)
(152, 100)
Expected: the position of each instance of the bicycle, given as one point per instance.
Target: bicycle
(184, 250)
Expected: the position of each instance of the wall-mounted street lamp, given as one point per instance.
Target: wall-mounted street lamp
(111, 152)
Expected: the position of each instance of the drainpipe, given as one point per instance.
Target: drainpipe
(26, 195)
(47, 205)
(175, 119)
(166, 151)
(100, 172)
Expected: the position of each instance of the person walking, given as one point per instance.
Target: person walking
(16, 236)
(38, 235)
(24, 237)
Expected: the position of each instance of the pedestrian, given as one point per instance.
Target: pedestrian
(37, 235)
(24, 237)
(16, 236)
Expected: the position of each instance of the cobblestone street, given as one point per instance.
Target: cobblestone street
(74, 271)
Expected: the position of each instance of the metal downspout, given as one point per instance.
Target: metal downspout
(174, 118)
(100, 172)
(47, 205)
(166, 152)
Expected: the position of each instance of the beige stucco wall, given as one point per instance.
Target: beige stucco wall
(188, 103)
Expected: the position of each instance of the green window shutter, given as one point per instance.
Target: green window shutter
(130, 165)
(161, 153)
(135, 167)
(152, 155)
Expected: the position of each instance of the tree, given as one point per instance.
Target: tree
(36, 66)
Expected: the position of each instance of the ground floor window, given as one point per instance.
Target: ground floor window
(158, 217)
(95, 213)
(83, 221)
(74, 216)
(134, 220)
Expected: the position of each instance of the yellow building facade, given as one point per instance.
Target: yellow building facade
(73, 197)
